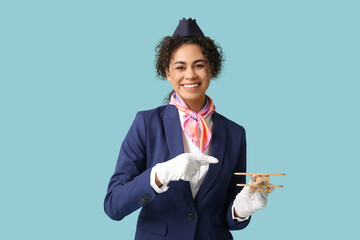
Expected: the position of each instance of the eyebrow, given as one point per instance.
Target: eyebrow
(182, 62)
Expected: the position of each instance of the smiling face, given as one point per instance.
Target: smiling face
(189, 74)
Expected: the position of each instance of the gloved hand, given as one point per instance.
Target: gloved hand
(184, 166)
(246, 202)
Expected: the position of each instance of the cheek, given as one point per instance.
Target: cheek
(176, 78)
(174, 83)
(207, 84)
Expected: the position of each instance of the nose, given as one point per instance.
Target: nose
(190, 73)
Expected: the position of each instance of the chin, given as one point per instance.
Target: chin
(192, 97)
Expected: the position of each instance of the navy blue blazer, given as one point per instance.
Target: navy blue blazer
(154, 137)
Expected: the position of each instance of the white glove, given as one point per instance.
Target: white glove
(246, 202)
(184, 166)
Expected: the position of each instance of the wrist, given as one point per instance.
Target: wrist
(237, 215)
(157, 181)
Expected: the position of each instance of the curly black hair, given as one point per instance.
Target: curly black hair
(212, 52)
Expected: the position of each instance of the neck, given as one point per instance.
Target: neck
(195, 105)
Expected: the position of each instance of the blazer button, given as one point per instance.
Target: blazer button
(190, 216)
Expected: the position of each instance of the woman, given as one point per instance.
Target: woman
(177, 161)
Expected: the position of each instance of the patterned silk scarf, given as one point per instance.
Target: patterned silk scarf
(193, 120)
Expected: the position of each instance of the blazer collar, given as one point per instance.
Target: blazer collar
(175, 143)
(173, 131)
(218, 143)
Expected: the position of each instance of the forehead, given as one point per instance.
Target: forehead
(187, 53)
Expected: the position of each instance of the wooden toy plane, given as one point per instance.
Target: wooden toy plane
(260, 181)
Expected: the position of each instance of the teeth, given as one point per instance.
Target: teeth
(190, 86)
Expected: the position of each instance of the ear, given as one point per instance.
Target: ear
(167, 72)
(211, 75)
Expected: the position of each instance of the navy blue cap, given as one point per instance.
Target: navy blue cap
(188, 28)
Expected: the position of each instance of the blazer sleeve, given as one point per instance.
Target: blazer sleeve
(234, 190)
(129, 187)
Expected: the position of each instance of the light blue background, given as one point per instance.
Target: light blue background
(74, 73)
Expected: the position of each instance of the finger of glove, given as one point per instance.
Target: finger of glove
(182, 161)
(202, 158)
(189, 174)
(259, 201)
(246, 193)
(205, 159)
(179, 168)
(185, 174)
(192, 168)
(188, 170)
(265, 194)
(252, 180)
(187, 177)
(191, 164)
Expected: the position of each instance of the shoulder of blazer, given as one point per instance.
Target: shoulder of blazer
(155, 112)
(165, 111)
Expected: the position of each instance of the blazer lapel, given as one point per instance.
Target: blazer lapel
(218, 144)
(173, 131)
(175, 142)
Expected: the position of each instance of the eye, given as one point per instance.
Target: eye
(180, 68)
(199, 66)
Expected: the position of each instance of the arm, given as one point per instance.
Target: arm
(234, 224)
(129, 187)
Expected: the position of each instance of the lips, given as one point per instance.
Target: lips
(191, 86)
